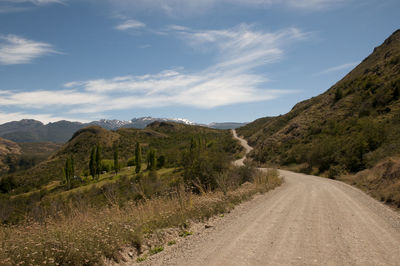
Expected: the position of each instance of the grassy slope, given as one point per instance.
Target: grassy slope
(352, 126)
(39, 191)
(169, 139)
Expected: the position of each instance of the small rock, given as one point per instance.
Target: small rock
(208, 226)
(130, 253)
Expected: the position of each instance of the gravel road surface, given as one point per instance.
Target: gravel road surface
(309, 220)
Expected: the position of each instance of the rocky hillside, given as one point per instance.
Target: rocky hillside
(350, 127)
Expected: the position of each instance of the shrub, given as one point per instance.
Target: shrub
(131, 161)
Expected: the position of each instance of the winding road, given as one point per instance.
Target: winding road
(309, 220)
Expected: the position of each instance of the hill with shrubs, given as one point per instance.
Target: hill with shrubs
(94, 156)
(351, 127)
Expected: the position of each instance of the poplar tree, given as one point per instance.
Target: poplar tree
(152, 160)
(69, 171)
(92, 163)
(116, 162)
(98, 161)
(138, 157)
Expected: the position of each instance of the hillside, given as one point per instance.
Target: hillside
(169, 139)
(7, 148)
(348, 128)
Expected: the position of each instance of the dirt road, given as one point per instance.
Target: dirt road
(246, 147)
(307, 221)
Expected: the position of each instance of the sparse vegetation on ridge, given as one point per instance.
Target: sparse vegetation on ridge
(353, 126)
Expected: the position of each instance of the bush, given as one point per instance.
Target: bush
(107, 165)
(131, 161)
(335, 171)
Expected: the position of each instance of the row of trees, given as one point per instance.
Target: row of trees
(97, 165)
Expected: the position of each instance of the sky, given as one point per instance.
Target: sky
(202, 60)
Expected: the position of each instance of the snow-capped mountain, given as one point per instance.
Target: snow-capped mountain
(141, 122)
(29, 130)
(111, 124)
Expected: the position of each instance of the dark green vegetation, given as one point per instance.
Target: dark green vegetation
(351, 127)
(83, 172)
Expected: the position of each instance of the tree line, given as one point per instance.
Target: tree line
(97, 165)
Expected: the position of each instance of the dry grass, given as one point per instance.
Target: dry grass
(86, 238)
(382, 181)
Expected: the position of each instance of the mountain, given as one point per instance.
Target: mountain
(350, 127)
(143, 122)
(29, 130)
(110, 124)
(226, 125)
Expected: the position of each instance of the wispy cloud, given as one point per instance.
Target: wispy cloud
(45, 118)
(311, 4)
(230, 79)
(12, 6)
(241, 47)
(189, 7)
(18, 50)
(35, 2)
(130, 24)
(45, 99)
(338, 68)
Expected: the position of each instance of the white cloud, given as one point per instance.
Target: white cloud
(242, 47)
(35, 2)
(44, 99)
(338, 68)
(130, 24)
(230, 79)
(45, 118)
(189, 7)
(17, 50)
(12, 6)
(313, 4)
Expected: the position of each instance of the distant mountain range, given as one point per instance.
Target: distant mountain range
(29, 130)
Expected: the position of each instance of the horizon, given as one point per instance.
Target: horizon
(203, 61)
(129, 120)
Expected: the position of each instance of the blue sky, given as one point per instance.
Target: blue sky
(203, 60)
